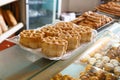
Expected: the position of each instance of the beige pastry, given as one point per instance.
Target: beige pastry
(54, 46)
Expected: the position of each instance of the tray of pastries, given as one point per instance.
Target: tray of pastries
(110, 8)
(101, 61)
(55, 42)
(93, 20)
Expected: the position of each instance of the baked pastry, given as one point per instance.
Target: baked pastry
(85, 58)
(54, 46)
(65, 25)
(63, 77)
(92, 61)
(99, 64)
(114, 62)
(85, 32)
(9, 18)
(98, 56)
(31, 38)
(117, 70)
(105, 59)
(93, 78)
(92, 19)
(110, 77)
(72, 37)
(108, 67)
(3, 25)
(110, 7)
(50, 31)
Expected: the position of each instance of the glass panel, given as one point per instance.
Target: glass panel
(41, 12)
(15, 63)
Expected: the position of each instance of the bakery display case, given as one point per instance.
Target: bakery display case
(99, 61)
(7, 18)
(32, 58)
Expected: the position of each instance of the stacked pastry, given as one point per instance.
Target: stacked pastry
(31, 38)
(6, 19)
(116, 0)
(3, 26)
(55, 40)
(54, 46)
(110, 7)
(92, 19)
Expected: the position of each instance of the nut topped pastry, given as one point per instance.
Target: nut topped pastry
(31, 38)
(85, 32)
(54, 46)
(72, 37)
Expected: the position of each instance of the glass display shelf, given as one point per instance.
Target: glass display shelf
(15, 63)
(113, 30)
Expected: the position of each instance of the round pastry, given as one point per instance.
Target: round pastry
(110, 77)
(99, 64)
(98, 56)
(105, 59)
(84, 77)
(92, 61)
(114, 62)
(108, 67)
(93, 78)
(100, 74)
(54, 46)
(117, 70)
(85, 59)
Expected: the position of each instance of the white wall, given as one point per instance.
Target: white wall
(79, 5)
(65, 5)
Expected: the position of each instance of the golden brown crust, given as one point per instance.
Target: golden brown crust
(9, 18)
(110, 7)
(2, 22)
(92, 19)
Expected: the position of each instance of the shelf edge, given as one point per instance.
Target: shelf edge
(10, 32)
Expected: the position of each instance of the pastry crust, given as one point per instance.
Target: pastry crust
(2, 22)
(54, 46)
(110, 7)
(31, 38)
(92, 19)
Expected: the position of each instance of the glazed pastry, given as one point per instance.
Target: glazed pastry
(99, 64)
(108, 67)
(92, 61)
(117, 70)
(98, 56)
(93, 78)
(54, 46)
(105, 59)
(114, 62)
(101, 75)
(85, 59)
(110, 77)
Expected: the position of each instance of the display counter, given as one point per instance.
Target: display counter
(17, 63)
